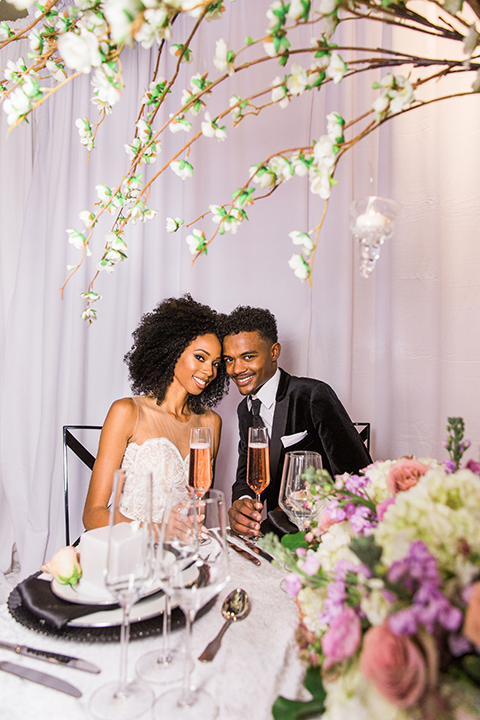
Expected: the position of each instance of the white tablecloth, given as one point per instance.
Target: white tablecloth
(256, 662)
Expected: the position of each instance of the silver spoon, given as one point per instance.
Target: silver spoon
(236, 606)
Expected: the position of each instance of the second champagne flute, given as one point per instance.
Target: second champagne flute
(200, 463)
(258, 462)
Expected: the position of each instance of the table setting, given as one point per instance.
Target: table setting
(71, 643)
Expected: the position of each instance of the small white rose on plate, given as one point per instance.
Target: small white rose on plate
(64, 566)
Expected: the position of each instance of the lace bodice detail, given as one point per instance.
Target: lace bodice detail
(160, 444)
(170, 476)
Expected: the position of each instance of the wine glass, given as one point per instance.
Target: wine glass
(295, 500)
(258, 463)
(128, 574)
(200, 463)
(176, 546)
(212, 575)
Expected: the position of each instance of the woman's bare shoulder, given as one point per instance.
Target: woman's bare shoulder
(123, 411)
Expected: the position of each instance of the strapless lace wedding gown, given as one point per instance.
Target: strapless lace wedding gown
(170, 476)
(157, 445)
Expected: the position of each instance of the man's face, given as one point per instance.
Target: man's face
(250, 360)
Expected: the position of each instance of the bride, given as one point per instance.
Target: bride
(177, 375)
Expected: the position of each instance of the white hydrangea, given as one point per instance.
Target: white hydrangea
(311, 604)
(443, 510)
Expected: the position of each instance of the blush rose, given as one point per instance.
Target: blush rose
(471, 628)
(404, 474)
(64, 566)
(395, 664)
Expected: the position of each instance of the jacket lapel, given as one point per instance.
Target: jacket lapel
(279, 423)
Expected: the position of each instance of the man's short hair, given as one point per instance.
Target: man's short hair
(248, 319)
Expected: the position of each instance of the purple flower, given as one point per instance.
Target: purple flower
(294, 584)
(362, 520)
(458, 644)
(343, 637)
(403, 622)
(311, 564)
(449, 466)
(473, 466)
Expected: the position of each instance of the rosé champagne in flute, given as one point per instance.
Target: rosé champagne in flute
(200, 464)
(258, 465)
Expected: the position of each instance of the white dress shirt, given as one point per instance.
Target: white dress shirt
(267, 396)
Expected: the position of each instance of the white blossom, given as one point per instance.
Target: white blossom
(297, 80)
(89, 314)
(120, 15)
(471, 40)
(85, 132)
(337, 68)
(182, 168)
(16, 105)
(173, 224)
(211, 130)
(106, 94)
(80, 52)
(179, 123)
(195, 241)
(86, 217)
(303, 239)
(279, 94)
(56, 70)
(401, 96)
(220, 60)
(299, 267)
(327, 7)
(296, 9)
(271, 17)
(76, 238)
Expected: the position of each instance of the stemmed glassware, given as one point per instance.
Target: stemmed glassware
(258, 463)
(294, 498)
(176, 547)
(200, 464)
(128, 575)
(212, 575)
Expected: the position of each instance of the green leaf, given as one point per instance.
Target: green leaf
(294, 541)
(284, 709)
(471, 665)
(314, 684)
(366, 550)
(249, 40)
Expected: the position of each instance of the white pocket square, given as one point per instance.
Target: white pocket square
(289, 440)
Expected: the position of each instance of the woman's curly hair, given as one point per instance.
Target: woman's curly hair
(161, 338)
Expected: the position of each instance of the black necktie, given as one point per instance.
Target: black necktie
(256, 417)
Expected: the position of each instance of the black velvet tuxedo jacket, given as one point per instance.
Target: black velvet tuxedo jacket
(302, 405)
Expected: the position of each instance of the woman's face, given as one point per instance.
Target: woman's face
(197, 366)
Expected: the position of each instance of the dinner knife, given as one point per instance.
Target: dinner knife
(41, 678)
(244, 553)
(51, 657)
(251, 545)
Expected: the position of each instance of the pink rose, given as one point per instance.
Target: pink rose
(342, 638)
(382, 507)
(64, 566)
(404, 474)
(325, 522)
(401, 669)
(471, 628)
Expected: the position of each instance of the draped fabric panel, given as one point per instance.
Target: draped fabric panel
(401, 349)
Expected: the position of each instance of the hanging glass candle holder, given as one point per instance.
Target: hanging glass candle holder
(372, 222)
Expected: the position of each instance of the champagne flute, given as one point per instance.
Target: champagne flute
(258, 463)
(200, 463)
(212, 575)
(176, 546)
(295, 499)
(128, 574)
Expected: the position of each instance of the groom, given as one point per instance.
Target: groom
(299, 413)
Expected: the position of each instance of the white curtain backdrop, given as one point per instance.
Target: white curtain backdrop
(401, 349)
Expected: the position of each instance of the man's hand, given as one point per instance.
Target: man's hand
(244, 516)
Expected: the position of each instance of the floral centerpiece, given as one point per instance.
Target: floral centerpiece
(386, 584)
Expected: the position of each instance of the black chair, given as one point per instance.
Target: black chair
(364, 432)
(70, 442)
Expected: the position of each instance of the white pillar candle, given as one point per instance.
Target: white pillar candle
(371, 221)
